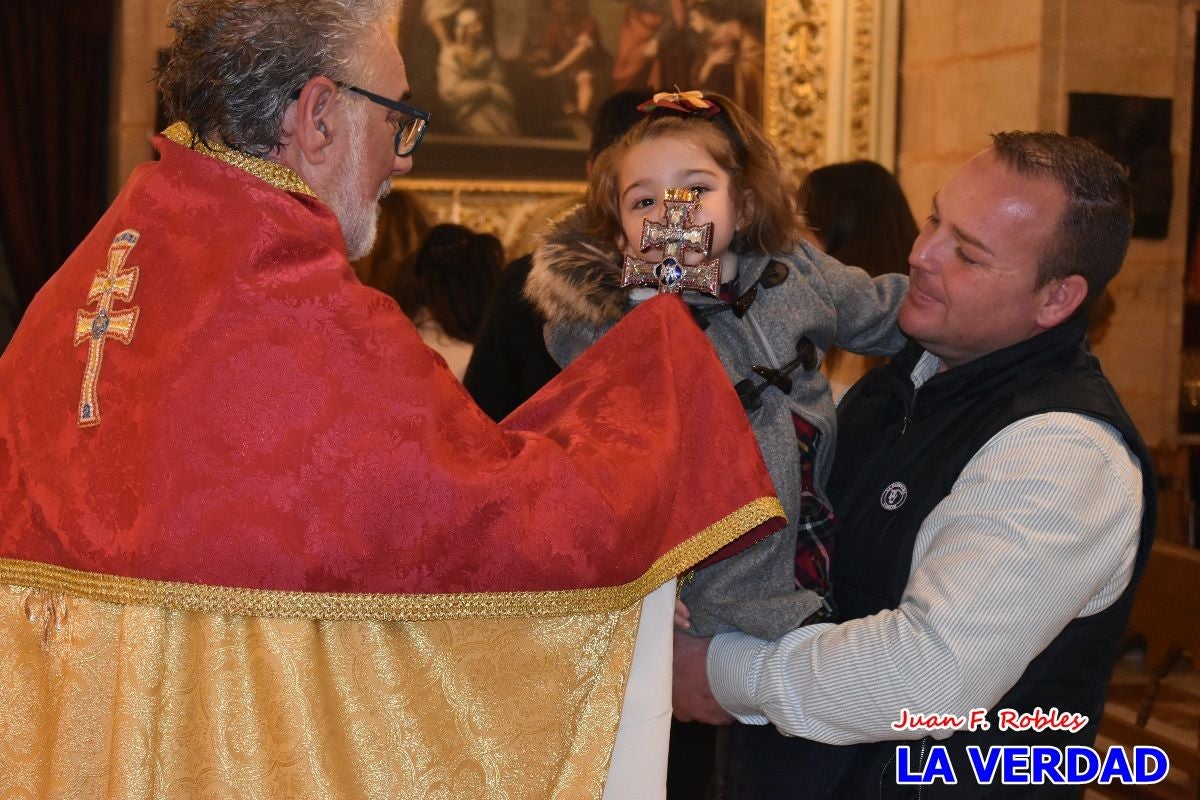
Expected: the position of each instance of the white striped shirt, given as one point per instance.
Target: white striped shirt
(1041, 527)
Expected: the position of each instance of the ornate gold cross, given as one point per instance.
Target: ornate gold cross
(105, 323)
(675, 237)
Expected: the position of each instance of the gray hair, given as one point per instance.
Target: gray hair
(235, 65)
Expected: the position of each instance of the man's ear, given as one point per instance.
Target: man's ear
(1060, 299)
(310, 122)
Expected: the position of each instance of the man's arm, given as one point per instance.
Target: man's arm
(1041, 527)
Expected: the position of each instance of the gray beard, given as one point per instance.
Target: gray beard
(359, 221)
(360, 226)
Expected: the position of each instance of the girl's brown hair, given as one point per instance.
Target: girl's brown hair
(769, 222)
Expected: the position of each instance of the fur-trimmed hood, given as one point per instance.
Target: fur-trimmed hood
(576, 277)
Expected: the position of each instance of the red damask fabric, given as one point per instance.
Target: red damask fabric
(274, 424)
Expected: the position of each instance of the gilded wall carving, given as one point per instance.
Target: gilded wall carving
(796, 85)
(863, 59)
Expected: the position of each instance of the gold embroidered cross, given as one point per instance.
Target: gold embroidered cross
(105, 323)
(675, 237)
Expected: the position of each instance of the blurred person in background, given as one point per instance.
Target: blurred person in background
(510, 362)
(856, 212)
(403, 223)
(453, 275)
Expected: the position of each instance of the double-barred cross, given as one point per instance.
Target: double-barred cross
(106, 323)
(676, 236)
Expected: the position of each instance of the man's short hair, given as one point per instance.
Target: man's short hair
(236, 64)
(1094, 232)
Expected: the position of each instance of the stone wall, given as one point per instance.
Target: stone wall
(970, 67)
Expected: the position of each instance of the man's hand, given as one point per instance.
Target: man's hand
(690, 693)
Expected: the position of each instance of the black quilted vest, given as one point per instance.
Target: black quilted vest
(889, 433)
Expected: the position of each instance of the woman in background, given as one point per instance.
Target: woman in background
(403, 224)
(856, 212)
(452, 277)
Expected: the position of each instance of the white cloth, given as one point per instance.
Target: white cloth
(1041, 527)
(638, 770)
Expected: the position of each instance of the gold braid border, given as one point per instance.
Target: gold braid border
(278, 175)
(387, 607)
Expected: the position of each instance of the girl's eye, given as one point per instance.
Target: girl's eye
(963, 257)
(699, 190)
(645, 202)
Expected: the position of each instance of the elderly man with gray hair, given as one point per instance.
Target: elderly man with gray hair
(258, 541)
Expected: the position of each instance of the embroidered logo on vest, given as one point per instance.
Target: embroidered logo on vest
(106, 323)
(893, 496)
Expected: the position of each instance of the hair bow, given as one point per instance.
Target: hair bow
(684, 102)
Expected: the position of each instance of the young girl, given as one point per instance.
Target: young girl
(782, 305)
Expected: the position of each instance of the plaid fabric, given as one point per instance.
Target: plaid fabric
(815, 528)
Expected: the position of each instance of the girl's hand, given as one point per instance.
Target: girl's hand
(682, 616)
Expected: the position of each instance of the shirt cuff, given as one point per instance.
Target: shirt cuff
(734, 662)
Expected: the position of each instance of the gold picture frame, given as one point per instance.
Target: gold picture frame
(829, 94)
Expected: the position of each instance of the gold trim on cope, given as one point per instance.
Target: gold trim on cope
(278, 175)
(391, 607)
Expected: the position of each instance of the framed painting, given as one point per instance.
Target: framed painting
(514, 85)
(1136, 131)
(511, 85)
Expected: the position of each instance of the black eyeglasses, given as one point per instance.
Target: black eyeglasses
(412, 128)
